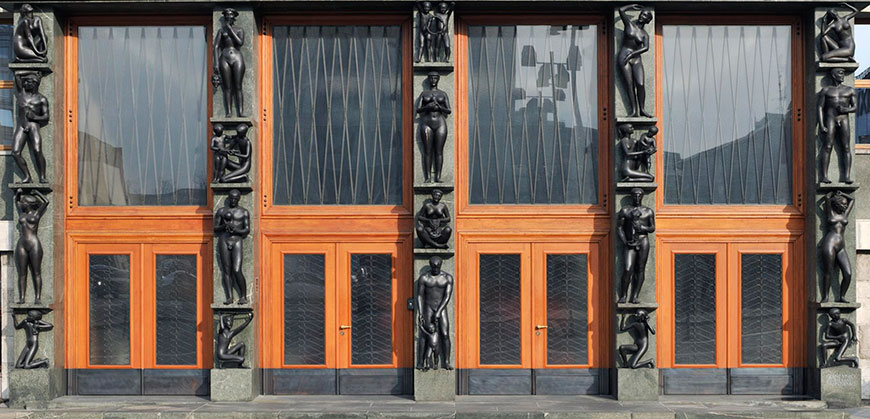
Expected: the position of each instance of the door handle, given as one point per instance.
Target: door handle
(540, 326)
(344, 326)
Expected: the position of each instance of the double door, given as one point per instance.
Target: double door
(338, 319)
(531, 318)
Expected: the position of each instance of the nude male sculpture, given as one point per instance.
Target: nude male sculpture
(836, 102)
(434, 290)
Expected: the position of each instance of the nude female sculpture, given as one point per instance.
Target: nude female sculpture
(640, 330)
(839, 333)
(32, 325)
(836, 40)
(239, 147)
(434, 290)
(837, 206)
(836, 102)
(432, 220)
(433, 106)
(28, 251)
(229, 64)
(635, 41)
(232, 224)
(28, 41)
(636, 154)
(634, 223)
(226, 356)
(33, 113)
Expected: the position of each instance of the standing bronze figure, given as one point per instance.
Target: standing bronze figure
(28, 251)
(836, 102)
(837, 206)
(32, 325)
(433, 106)
(636, 155)
(240, 148)
(229, 64)
(28, 41)
(32, 113)
(635, 41)
(425, 39)
(839, 333)
(639, 330)
(434, 290)
(219, 152)
(836, 39)
(232, 224)
(432, 222)
(634, 223)
(226, 356)
(440, 25)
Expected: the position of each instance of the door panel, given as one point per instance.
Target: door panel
(111, 289)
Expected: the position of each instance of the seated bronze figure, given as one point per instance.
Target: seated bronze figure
(28, 41)
(226, 356)
(840, 334)
(432, 222)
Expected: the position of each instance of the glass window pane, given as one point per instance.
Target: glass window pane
(371, 284)
(567, 318)
(6, 57)
(761, 309)
(695, 309)
(175, 279)
(304, 310)
(143, 115)
(6, 123)
(533, 114)
(862, 50)
(338, 115)
(862, 116)
(109, 309)
(727, 123)
(500, 341)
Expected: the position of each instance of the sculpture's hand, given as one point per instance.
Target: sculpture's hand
(824, 129)
(29, 115)
(636, 7)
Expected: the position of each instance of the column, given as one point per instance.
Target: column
(235, 214)
(634, 200)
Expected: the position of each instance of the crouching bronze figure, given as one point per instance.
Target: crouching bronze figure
(840, 334)
(32, 325)
(226, 356)
(434, 290)
(639, 329)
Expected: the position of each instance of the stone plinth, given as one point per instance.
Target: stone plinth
(636, 384)
(32, 389)
(435, 385)
(234, 384)
(840, 386)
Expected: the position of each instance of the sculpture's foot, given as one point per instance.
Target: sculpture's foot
(853, 363)
(37, 301)
(634, 301)
(849, 181)
(19, 301)
(437, 179)
(824, 300)
(420, 367)
(842, 300)
(448, 367)
(645, 114)
(243, 301)
(43, 180)
(228, 302)
(621, 300)
(824, 180)
(26, 180)
(443, 246)
(650, 365)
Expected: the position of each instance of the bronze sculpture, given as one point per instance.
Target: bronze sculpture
(28, 250)
(836, 209)
(424, 37)
(32, 325)
(836, 40)
(835, 103)
(219, 152)
(229, 63)
(28, 41)
(434, 290)
(232, 224)
(433, 31)
(636, 154)
(433, 106)
(32, 113)
(639, 330)
(839, 333)
(634, 223)
(635, 41)
(240, 147)
(432, 222)
(226, 356)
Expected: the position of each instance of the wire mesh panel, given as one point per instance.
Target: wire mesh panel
(338, 115)
(727, 125)
(304, 309)
(371, 285)
(533, 114)
(109, 309)
(500, 309)
(176, 309)
(567, 315)
(695, 309)
(761, 308)
(142, 115)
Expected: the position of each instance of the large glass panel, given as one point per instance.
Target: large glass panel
(500, 305)
(304, 310)
(761, 309)
(862, 51)
(176, 293)
(695, 308)
(6, 31)
(862, 116)
(533, 114)
(143, 115)
(371, 284)
(727, 104)
(338, 115)
(109, 309)
(567, 317)
(6, 123)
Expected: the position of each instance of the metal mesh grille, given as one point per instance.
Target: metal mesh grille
(500, 309)
(304, 310)
(532, 120)
(567, 317)
(371, 309)
(761, 309)
(176, 309)
(109, 309)
(695, 308)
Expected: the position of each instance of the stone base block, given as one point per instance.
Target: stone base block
(636, 384)
(840, 386)
(32, 389)
(234, 384)
(435, 385)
